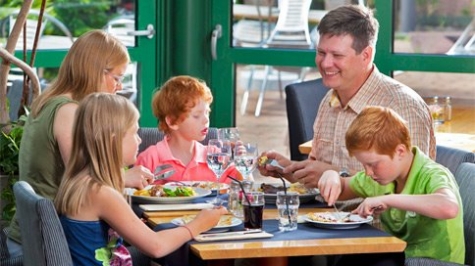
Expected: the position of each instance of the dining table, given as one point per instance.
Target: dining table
(307, 240)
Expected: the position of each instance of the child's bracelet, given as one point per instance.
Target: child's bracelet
(188, 229)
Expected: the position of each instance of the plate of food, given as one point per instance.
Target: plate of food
(225, 223)
(171, 195)
(208, 185)
(336, 220)
(270, 191)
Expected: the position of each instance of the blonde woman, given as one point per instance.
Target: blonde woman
(96, 62)
(90, 201)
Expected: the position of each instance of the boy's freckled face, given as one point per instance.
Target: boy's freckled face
(381, 168)
(196, 124)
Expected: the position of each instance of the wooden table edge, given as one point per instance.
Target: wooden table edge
(213, 251)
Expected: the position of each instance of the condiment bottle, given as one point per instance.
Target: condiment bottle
(448, 109)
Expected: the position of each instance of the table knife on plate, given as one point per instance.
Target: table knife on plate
(235, 233)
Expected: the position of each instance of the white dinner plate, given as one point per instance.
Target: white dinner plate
(217, 229)
(270, 198)
(200, 193)
(209, 185)
(354, 222)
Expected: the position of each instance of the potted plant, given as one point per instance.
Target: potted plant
(11, 131)
(9, 149)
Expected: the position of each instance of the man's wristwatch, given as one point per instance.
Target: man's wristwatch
(344, 172)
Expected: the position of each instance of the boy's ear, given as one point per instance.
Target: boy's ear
(401, 150)
(170, 124)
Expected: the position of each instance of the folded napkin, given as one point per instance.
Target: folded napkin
(175, 207)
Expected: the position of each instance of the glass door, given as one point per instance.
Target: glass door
(64, 21)
(231, 58)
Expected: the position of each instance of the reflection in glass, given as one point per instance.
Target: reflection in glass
(434, 27)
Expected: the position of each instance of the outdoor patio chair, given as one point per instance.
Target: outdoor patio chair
(291, 31)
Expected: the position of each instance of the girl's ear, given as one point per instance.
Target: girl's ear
(170, 124)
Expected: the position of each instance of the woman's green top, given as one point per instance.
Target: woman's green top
(40, 161)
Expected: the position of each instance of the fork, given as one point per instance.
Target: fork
(339, 213)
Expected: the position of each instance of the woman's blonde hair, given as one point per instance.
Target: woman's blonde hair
(177, 97)
(101, 122)
(82, 70)
(379, 129)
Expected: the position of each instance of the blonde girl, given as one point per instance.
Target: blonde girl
(90, 201)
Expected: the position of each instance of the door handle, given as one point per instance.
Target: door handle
(215, 35)
(149, 32)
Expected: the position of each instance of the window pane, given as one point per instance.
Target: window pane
(435, 27)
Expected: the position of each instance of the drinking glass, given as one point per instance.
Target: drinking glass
(230, 134)
(245, 158)
(288, 209)
(218, 159)
(253, 207)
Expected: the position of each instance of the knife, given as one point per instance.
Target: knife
(236, 233)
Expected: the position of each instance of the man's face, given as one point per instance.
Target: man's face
(341, 68)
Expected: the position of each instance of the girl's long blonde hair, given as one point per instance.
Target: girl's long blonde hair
(102, 121)
(82, 70)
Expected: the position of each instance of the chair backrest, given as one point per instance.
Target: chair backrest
(32, 25)
(151, 135)
(42, 235)
(465, 44)
(253, 33)
(302, 101)
(453, 157)
(465, 176)
(5, 259)
(292, 30)
(120, 27)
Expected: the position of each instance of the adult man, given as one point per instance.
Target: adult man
(345, 54)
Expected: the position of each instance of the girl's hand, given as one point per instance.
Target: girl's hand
(138, 177)
(208, 218)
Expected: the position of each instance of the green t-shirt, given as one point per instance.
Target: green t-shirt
(425, 236)
(40, 161)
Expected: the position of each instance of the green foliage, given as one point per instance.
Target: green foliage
(81, 16)
(9, 150)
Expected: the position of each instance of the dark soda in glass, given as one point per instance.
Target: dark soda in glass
(253, 216)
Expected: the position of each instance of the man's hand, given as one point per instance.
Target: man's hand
(308, 172)
(266, 169)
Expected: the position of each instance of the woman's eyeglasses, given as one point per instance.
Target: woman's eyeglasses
(118, 79)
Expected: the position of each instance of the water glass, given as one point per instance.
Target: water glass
(236, 196)
(288, 208)
(218, 159)
(253, 207)
(245, 158)
(229, 133)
